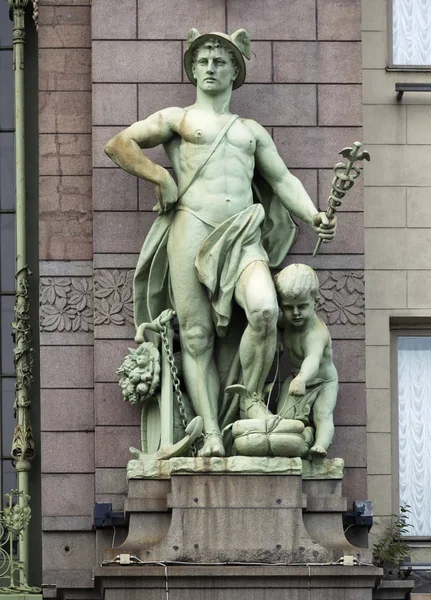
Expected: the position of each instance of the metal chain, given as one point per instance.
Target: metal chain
(175, 380)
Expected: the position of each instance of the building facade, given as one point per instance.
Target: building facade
(322, 75)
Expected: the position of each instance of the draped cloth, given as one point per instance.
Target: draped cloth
(262, 231)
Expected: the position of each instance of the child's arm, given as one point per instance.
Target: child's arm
(314, 345)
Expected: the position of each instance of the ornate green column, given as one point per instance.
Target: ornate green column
(23, 445)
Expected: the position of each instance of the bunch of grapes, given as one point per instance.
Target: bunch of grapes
(140, 373)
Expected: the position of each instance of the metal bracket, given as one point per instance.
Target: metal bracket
(400, 88)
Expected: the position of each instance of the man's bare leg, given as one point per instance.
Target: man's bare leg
(255, 293)
(196, 329)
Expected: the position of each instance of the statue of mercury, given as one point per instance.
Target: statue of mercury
(219, 230)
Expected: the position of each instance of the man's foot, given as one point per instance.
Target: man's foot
(318, 451)
(213, 445)
(252, 405)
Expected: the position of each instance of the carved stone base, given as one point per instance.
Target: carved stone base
(154, 468)
(214, 518)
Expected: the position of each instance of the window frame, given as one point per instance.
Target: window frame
(405, 328)
(391, 67)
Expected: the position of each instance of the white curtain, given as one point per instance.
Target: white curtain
(412, 32)
(414, 417)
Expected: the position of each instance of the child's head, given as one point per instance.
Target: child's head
(297, 288)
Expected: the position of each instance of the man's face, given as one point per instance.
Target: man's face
(299, 310)
(213, 70)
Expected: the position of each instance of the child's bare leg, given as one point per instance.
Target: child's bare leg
(323, 409)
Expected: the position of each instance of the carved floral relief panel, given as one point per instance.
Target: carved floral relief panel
(70, 304)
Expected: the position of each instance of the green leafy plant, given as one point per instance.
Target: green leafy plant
(390, 552)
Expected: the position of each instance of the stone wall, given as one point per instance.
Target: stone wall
(303, 85)
(397, 241)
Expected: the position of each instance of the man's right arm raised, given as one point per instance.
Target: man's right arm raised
(125, 150)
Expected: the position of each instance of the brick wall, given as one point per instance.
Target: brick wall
(303, 85)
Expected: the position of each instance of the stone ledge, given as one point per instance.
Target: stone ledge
(152, 468)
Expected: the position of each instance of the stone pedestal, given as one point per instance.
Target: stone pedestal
(212, 518)
(216, 533)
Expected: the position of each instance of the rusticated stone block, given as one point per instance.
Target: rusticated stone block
(397, 248)
(155, 96)
(378, 366)
(379, 454)
(66, 367)
(259, 67)
(280, 105)
(386, 289)
(385, 124)
(76, 498)
(68, 558)
(66, 238)
(172, 19)
(115, 104)
(274, 19)
(111, 481)
(108, 356)
(377, 328)
(120, 438)
(418, 207)
(380, 491)
(113, 20)
(313, 147)
(339, 19)
(374, 15)
(121, 232)
(67, 452)
(65, 154)
(351, 405)
(313, 62)
(64, 112)
(418, 126)
(339, 105)
(66, 194)
(110, 407)
(64, 26)
(65, 221)
(114, 189)
(66, 410)
(62, 69)
(349, 356)
(350, 443)
(355, 485)
(152, 61)
(379, 411)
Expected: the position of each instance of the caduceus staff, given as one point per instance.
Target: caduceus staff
(343, 180)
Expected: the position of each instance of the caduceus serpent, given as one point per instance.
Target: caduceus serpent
(343, 180)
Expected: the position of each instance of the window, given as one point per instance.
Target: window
(413, 428)
(410, 43)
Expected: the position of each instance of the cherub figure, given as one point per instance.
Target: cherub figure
(310, 394)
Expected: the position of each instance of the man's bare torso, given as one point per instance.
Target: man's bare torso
(223, 187)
